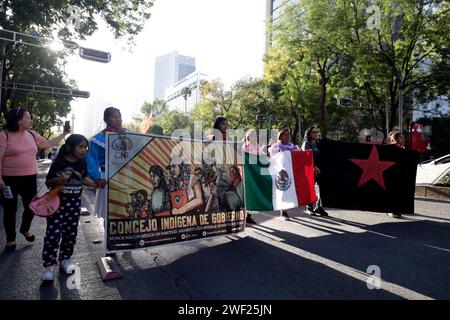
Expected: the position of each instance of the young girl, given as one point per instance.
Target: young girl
(70, 171)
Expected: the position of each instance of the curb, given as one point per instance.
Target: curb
(432, 200)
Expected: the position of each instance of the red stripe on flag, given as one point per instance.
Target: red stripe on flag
(303, 168)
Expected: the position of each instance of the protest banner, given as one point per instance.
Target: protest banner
(162, 190)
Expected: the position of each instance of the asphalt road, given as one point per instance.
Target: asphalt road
(305, 258)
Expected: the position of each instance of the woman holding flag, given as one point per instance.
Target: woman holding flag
(284, 144)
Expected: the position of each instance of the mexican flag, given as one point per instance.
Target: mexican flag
(285, 181)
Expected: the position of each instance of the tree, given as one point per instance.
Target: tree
(155, 129)
(186, 92)
(171, 121)
(330, 41)
(31, 65)
(217, 101)
(306, 40)
(153, 110)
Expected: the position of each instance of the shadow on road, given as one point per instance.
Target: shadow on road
(414, 256)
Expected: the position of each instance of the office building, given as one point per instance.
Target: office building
(169, 69)
(174, 96)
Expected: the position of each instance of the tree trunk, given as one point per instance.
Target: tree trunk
(323, 96)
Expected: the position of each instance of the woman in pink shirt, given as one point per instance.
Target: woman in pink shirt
(18, 170)
(251, 143)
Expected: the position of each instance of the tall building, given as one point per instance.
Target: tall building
(274, 10)
(174, 97)
(169, 69)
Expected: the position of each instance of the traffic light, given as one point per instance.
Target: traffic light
(95, 55)
(345, 102)
(80, 94)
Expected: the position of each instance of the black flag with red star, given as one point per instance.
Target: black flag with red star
(367, 177)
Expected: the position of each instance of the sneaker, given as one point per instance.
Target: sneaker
(310, 211)
(394, 215)
(250, 220)
(321, 212)
(48, 274)
(284, 214)
(67, 266)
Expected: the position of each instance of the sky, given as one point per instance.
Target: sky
(227, 38)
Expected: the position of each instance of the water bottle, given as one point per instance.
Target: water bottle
(7, 192)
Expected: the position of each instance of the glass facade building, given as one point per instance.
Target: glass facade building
(174, 97)
(169, 69)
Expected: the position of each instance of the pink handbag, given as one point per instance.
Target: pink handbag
(46, 205)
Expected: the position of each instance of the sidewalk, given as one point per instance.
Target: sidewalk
(305, 258)
(20, 272)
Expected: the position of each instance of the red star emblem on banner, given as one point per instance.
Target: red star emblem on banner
(373, 168)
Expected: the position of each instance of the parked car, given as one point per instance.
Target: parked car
(431, 171)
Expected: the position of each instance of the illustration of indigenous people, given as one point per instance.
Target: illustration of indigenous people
(144, 203)
(159, 201)
(207, 176)
(139, 205)
(236, 181)
(185, 189)
(229, 199)
(130, 210)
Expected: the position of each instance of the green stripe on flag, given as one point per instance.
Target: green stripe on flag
(258, 186)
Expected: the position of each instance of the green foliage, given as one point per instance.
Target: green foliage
(156, 109)
(40, 66)
(171, 121)
(445, 181)
(155, 129)
(324, 50)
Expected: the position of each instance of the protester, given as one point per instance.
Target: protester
(96, 157)
(398, 139)
(251, 143)
(18, 170)
(221, 124)
(310, 143)
(70, 171)
(284, 144)
(251, 146)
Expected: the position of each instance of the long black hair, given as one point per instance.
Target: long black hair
(218, 121)
(13, 117)
(307, 136)
(71, 142)
(157, 170)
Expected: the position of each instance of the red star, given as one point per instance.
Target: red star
(372, 168)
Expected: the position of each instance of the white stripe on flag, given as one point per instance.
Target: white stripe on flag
(284, 195)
